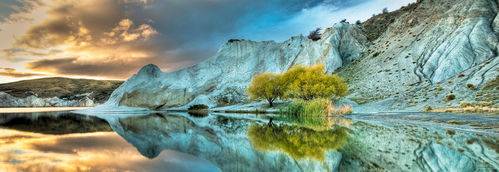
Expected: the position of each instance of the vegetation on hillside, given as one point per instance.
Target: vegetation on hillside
(62, 88)
(378, 24)
(315, 35)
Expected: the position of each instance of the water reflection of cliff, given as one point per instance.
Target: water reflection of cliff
(223, 140)
(152, 133)
(53, 123)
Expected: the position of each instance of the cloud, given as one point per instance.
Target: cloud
(114, 38)
(11, 72)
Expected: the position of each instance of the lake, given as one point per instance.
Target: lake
(166, 141)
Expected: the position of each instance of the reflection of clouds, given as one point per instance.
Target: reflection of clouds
(12, 138)
(104, 151)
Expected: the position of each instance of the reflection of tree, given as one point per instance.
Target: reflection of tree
(198, 114)
(298, 142)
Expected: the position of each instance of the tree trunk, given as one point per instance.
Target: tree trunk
(270, 102)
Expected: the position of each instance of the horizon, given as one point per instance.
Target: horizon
(73, 40)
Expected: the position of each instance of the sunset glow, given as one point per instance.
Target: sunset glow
(108, 39)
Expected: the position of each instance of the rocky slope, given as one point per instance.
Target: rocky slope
(431, 50)
(56, 92)
(403, 60)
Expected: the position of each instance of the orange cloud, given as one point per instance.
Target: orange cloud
(11, 72)
(84, 38)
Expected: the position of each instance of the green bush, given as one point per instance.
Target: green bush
(198, 114)
(198, 107)
(311, 108)
(450, 97)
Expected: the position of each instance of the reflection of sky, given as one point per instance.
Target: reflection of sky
(102, 151)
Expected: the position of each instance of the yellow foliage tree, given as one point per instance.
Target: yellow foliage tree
(266, 86)
(309, 83)
(301, 82)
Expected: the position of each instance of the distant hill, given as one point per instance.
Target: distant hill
(62, 88)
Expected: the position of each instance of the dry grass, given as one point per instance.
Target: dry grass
(465, 104)
(467, 109)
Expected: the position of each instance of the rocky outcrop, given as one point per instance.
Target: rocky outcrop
(7, 100)
(223, 78)
(424, 53)
(431, 50)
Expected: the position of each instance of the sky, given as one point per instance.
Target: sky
(113, 39)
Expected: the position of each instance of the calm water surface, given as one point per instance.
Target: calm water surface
(65, 141)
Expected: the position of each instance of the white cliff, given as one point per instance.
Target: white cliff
(223, 78)
(430, 49)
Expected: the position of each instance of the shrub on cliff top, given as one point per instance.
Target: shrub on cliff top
(315, 35)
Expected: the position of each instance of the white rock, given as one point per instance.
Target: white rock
(223, 78)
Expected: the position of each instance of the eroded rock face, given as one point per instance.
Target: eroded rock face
(223, 78)
(432, 49)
